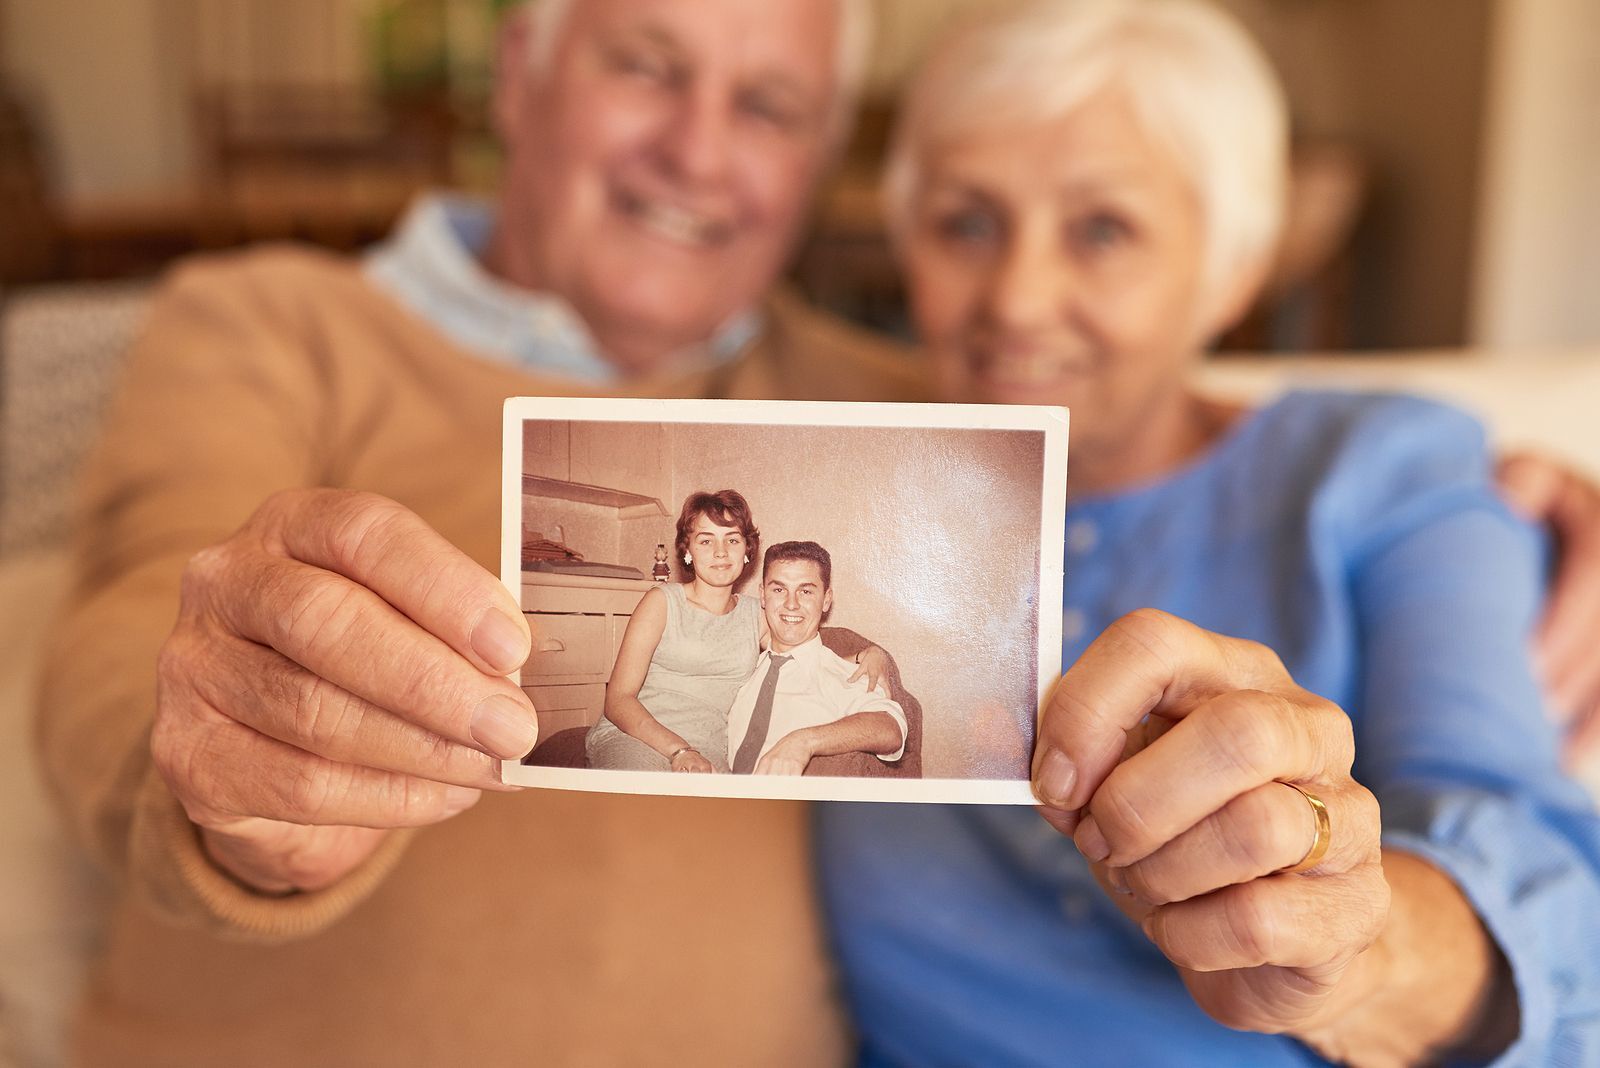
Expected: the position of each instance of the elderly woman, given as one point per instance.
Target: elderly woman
(1085, 194)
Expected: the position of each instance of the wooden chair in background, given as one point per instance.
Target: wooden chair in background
(30, 249)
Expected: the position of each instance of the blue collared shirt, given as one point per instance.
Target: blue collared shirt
(430, 264)
(1359, 537)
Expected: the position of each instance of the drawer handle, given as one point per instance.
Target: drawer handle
(552, 645)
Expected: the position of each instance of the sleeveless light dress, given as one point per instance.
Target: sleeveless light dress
(698, 667)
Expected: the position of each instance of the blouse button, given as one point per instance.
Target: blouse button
(1073, 623)
(1082, 537)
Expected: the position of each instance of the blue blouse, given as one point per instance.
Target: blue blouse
(1360, 537)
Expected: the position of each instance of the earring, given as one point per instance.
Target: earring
(688, 559)
(747, 558)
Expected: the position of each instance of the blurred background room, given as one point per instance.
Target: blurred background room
(1447, 164)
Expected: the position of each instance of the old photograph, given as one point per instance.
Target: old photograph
(845, 601)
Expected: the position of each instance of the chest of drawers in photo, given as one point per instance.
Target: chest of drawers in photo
(577, 623)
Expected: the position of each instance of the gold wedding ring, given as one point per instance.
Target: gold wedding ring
(1319, 844)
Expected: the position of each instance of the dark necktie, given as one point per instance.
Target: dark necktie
(760, 719)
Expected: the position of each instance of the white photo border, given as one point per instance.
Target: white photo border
(1052, 422)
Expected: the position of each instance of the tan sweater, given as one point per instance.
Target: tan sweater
(542, 927)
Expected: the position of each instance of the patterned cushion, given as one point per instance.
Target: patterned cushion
(61, 348)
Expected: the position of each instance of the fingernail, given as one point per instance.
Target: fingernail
(500, 642)
(1091, 843)
(457, 799)
(1118, 878)
(1056, 778)
(1148, 926)
(504, 728)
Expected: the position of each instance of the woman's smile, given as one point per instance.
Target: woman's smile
(1025, 367)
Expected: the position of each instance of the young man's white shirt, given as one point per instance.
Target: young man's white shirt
(811, 692)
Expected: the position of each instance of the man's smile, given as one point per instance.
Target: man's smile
(674, 223)
(1032, 368)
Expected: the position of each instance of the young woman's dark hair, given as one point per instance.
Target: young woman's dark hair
(801, 550)
(725, 508)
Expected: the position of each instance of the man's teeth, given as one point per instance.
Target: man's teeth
(675, 224)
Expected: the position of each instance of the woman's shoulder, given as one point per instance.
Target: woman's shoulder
(1373, 459)
(660, 596)
(1373, 434)
(1375, 423)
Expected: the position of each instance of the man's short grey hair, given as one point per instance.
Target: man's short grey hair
(852, 50)
(1197, 80)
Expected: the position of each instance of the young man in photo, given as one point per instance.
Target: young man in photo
(799, 703)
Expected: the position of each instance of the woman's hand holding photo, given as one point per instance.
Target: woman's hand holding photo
(1215, 800)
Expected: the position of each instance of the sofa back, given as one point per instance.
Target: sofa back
(1545, 400)
(61, 350)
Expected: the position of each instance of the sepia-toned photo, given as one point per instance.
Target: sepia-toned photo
(751, 599)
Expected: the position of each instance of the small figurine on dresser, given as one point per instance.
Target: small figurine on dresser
(661, 571)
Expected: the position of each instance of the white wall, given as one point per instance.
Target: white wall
(102, 74)
(113, 80)
(1538, 270)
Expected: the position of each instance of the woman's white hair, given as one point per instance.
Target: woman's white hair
(852, 49)
(1197, 80)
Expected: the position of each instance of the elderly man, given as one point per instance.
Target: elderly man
(336, 673)
(799, 703)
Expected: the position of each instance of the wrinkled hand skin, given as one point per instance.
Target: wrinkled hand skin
(1568, 641)
(1176, 740)
(326, 682)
